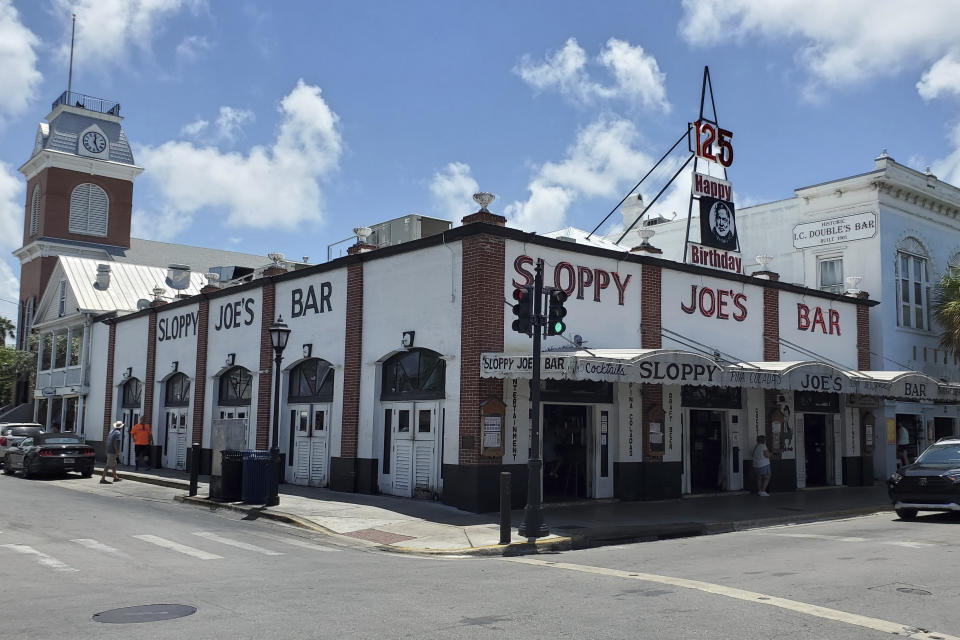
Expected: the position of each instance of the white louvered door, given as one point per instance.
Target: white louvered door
(402, 450)
(310, 445)
(425, 450)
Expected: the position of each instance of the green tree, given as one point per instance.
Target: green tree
(7, 330)
(14, 365)
(946, 309)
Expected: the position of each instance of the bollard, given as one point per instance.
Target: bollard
(194, 468)
(505, 481)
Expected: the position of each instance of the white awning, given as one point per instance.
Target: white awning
(796, 376)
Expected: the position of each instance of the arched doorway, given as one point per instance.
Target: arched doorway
(233, 397)
(412, 388)
(309, 400)
(176, 400)
(131, 403)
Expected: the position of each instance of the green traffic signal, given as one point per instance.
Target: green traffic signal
(556, 312)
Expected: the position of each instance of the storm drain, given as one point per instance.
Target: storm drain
(144, 613)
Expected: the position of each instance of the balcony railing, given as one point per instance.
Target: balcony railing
(90, 103)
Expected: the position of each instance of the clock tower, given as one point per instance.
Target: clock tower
(79, 194)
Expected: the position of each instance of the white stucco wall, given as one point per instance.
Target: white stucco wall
(99, 346)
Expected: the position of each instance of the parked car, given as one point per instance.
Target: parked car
(11, 433)
(931, 483)
(50, 453)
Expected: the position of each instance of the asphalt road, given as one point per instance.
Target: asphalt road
(72, 548)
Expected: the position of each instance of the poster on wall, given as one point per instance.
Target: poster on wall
(718, 225)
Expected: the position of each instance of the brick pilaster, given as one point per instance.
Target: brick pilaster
(352, 362)
(771, 324)
(200, 377)
(863, 336)
(650, 298)
(265, 380)
(151, 367)
(481, 329)
(108, 389)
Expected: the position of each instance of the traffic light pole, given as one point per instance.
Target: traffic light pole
(533, 525)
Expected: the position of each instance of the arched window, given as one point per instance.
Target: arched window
(913, 285)
(177, 392)
(235, 387)
(311, 381)
(132, 392)
(89, 205)
(418, 374)
(35, 211)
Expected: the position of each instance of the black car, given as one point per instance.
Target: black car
(50, 453)
(932, 483)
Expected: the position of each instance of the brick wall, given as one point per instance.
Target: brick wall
(650, 318)
(481, 329)
(108, 387)
(771, 324)
(352, 361)
(151, 368)
(265, 380)
(200, 377)
(863, 337)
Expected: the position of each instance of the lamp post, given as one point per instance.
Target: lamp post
(279, 334)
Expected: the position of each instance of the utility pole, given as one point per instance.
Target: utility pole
(533, 525)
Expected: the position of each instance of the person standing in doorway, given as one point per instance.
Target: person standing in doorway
(761, 466)
(903, 445)
(113, 452)
(142, 439)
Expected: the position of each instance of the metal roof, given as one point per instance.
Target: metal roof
(201, 259)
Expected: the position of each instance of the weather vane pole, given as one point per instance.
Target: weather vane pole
(73, 30)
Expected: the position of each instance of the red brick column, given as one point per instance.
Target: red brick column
(108, 389)
(352, 362)
(481, 329)
(771, 324)
(863, 335)
(650, 302)
(265, 380)
(200, 377)
(151, 367)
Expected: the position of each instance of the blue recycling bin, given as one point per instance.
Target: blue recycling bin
(256, 477)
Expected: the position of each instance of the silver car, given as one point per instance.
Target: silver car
(12, 433)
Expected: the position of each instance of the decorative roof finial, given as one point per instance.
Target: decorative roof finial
(483, 199)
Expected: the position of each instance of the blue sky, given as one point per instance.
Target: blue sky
(280, 126)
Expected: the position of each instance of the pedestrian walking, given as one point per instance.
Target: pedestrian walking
(142, 439)
(113, 452)
(761, 466)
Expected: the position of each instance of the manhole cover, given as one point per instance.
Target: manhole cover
(916, 592)
(144, 613)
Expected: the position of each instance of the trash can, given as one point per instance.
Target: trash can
(256, 468)
(231, 468)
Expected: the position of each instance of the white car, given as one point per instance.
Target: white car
(11, 433)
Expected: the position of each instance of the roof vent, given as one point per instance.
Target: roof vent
(178, 276)
(103, 276)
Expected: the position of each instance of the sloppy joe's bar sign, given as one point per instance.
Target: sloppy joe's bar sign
(579, 282)
(668, 368)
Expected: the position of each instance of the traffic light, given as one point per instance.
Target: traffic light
(523, 309)
(555, 323)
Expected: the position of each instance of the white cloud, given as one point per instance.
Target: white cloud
(948, 169)
(109, 31)
(230, 123)
(843, 42)
(636, 74)
(942, 77)
(597, 164)
(19, 76)
(11, 208)
(194, 129)
(269, 186)
(192, 48)
(453, 189)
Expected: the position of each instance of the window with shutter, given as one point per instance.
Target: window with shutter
(35, 211)
(62, 298)
(89, 206)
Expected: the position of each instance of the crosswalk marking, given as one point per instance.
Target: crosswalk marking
(95, 545)
(209, 535)
(176, 546)
(42, 558)
(294, 542)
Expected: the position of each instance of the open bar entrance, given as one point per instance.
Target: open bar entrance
(706, 450)
(565, 438)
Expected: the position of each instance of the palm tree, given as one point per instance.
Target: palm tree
(946, 309)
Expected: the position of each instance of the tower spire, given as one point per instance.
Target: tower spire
(73, 31)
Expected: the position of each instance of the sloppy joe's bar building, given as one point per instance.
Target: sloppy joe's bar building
(402, 375)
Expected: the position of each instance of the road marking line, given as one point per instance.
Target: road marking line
(818, 536)
(751, 596)
(209, 535)
(909, 545)
(90, 543)
(294, 542)
(42, 558)
(176, 546)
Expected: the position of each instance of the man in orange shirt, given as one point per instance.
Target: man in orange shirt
(142, 439)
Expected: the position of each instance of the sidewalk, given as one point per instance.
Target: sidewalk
(426, 527)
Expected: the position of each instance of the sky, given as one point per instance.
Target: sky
(280, 126)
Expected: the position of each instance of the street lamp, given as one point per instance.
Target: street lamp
(279, 334)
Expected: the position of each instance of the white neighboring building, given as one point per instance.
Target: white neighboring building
(892, 232)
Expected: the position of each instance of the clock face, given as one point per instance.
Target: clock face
(94, 142)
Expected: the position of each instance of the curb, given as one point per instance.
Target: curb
(160, 482)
